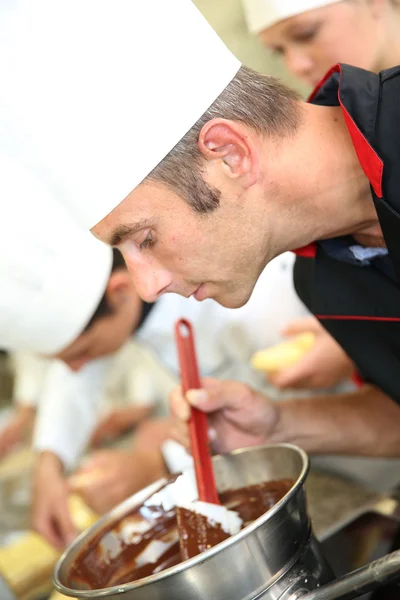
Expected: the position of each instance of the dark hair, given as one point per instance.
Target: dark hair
(259, 101)
(103, 309)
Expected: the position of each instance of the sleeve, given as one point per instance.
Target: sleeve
(29, 377)
(68, 408)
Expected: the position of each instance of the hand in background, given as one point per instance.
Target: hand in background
(323, 366)
(110, 476)
(50, 515)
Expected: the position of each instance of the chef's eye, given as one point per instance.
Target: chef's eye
(147, 242)
(306, 35)
(277, 50)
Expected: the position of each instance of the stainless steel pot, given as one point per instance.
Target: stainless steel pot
(276, 557)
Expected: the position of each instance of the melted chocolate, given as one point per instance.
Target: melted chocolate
(196, 533)
(146, 541)
(253, 501)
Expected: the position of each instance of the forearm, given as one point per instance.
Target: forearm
(49, 461)
(48, 468)
(26, 413)
(365, 423)
(151, 435)
(133, 415)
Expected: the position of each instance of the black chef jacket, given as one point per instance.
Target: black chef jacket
(358, 302)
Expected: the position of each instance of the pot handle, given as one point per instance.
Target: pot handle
(368, 578)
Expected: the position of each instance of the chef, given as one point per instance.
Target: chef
(200, 191)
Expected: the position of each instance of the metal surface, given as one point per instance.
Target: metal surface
(368, 578)
(274, 552)
(334, 501)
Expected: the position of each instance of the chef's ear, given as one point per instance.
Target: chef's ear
(234, 145)
(119, 288)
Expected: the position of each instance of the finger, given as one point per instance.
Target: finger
(96, 495)
(98, 460)
(296, 376)
(47, 530)
(100, 435)
(85, 479)
(180, 433)
(273, 377)
(65, 524)
(221, 395)
(44, 522)
(178, 404)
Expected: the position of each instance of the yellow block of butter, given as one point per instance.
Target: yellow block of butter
(283, 355)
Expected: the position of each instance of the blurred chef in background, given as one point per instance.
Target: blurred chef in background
(310, 36)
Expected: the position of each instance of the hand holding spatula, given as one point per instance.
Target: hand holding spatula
(204, 523)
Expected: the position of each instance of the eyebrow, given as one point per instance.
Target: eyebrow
(294, 28)
(122, 231)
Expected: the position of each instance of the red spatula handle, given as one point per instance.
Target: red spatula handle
(198, 420)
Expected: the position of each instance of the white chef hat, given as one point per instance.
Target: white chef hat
(108, 87)
(52, 273)
(261, 14)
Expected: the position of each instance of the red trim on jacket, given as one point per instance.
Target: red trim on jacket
(320, 85)
(371, 163)
(307, 251)
(357, 379)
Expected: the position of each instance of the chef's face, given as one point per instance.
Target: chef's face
(109, 332)
(312, 42)
(168, 247)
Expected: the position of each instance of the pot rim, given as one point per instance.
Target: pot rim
(203, 557)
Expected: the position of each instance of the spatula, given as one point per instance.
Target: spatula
(204, 523)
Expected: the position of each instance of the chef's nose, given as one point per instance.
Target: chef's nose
(151, 280)
(299, 63)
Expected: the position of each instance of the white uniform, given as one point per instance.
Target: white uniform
(30, 372)
(225, 340)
